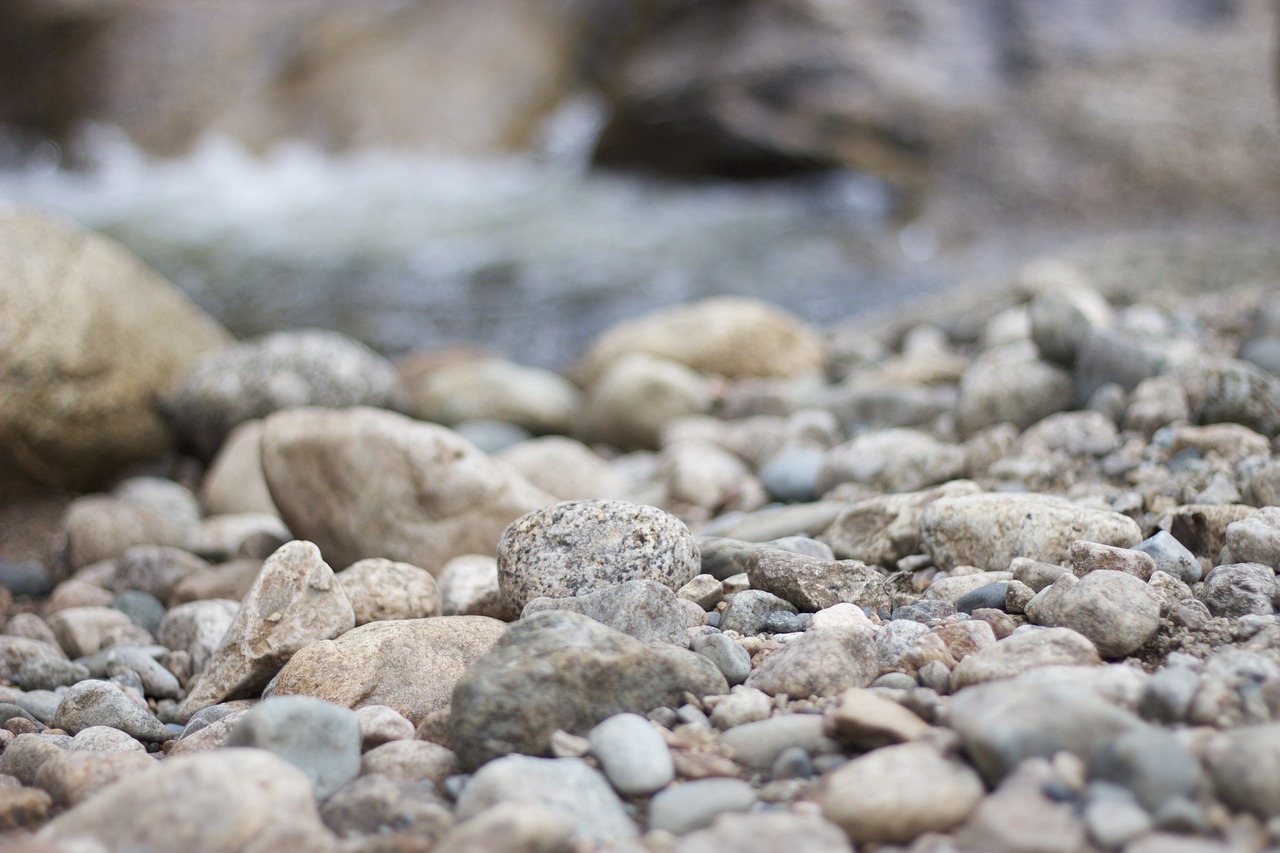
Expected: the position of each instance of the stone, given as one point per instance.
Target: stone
(1233, 391)
(772, 523)
(949, 590)
(105, 739)
(1019, 815)
(841, 616)
(437, 496)
(1239, 762)
(990, 530)
(865, 720)
(894, 460)
(227, 536)
(1109, 357)
(561, 670)
(294, 602)
(411, 665)
(766, 832)
(384, 589)
(157, 682)
(704, 591)
(1060, 324)
(637, 397)
(380, 724)
(23, 808)
(1168, 694)
(990, 596)
(229, 581)
(897, 793)
(731, 659)
(566, 786)
(643, 609)
(1156, 402)
(1152, 763)
(792, 474)
(1202, 528)
(576, 547)
(1238, 589)
(681, 809)
(495, 389)
(819, 663)
(1022, 651)
(1087, 557)
(564, 468)
(197, 628)
(813, 584)
(1113, 609)
(319, 738)
(23, 757)
(1171, 556)
(80, 630)
(233, 482)
(375, 806)
(99, 703)
(58, 431)
(730, 336)
(102, 527)
(1256, 539)
(143, 609)
(1010, 385)
(513, 826)
(153, 569)
(72, 777)
(282, 370)
(469, 587)
(50, 673)
(699, 473)
(749, 610)
(221, 800)
(410, 761)
(740, 706)
(632, 755)
(1236, 687)
(29, 626)
(1112, 821)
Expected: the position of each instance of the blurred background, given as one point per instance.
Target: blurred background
(520, 174)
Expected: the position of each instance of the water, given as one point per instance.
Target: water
(529, 256)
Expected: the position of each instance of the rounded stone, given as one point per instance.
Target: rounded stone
(384, 589)
(693, 805)
(319, 738)
(1115, 610)
(1239, 589)
(731, 659)
(632, 754)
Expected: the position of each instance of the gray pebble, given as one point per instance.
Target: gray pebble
(1167, 695)
(693, 805)
(990, 596)
(1171, 556)
(1114, 821)
(785, 622)
(792, 763)
(925, 610)
(1152, 763)
(156, 681)
(41, 704)
(791, 476)
(1239, 589)
(732, 659)
(895, 681)
(50, 673)
(143, 609)
(759, 744)
(748, 611)
(632, 754)
(98, 703)
(319, 738)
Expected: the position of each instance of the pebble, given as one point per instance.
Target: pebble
(98, 703)
(749, 611)
(1256, 539)
(1171, 556)
(319, 738)
(143, 609)
(1231, 687)
(865, 719)
(80, 630)
(1240, 764)
(516, 827)
(703, 590)
(381, 589)
(157, 682)
(380, 724)
(990, 596)
(632, 754)
(644, 609)
(638, 395)
(766, 832)
(374, 806)
(1168, 694)
(731, 659)
(739, 706)
(1023, 651)
(1240, 589)
(197, 628)
(469, 586)
(74, 776)
(1151, 763)
(50, 673)
(1089, 557)
(811, 583)
(792, 475)
(894, 460)
(681, 809)
(758, 744)
(818, 663)
(1114, 609)
(410, 761)
(882, 530)
(925, 610)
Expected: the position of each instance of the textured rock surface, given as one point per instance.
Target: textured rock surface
(1115, 610)
(319, 738)
(384, 589)
(643, 609)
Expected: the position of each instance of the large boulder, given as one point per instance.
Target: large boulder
(88, 338)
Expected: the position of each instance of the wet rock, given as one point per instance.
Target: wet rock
(384, 589)
(437, 496)
(294, 602)
(1239, 589)
(1115, 610)
(577, 547)
(643, 609)
(1022, 651)
(813, 584)
(562, 670)
(410, 665)
(319, 738)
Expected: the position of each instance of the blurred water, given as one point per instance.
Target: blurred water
(530, 256)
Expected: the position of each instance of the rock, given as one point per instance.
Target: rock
(562, 670)
(566, 786)
(1167, 696)
(233, 482)
(1202, 528)
(819, 663)
(990, 596)
(895, 460)
(410, 761)
(1237, 687)
(198, 628)
(1087, 557)
(882, 530)
(99, 703)
(1238, 763)
(990, 530)
(72, 777)
(157, 682)
(23, 808)
(1256, 539)
(576, 547)
(155, 570)
(1022, 651)
(374, 806)
(227, 536)
(384, 589)
(766, 832)
(1240, 588)
(865, 720)
(740, 706)
(731, 659)
(1156, 402)
(734, 337)
(319, 738)
(1006, 722)
(774, 522)
(704, 591)
(1232, 391)
(105, 739)
(724, 557)
(381, 724)
(683, 808)
(437, 496)
(15, 652)
(410, 665)
(143, 609)
(1010, 385)
(632, 754)
(812, 584)
(495, 389)
(792, 474)
(1171, 556)
(282, 370)
(58, 431)
(1020, 815)
(229, 581)
(293, 602)
(636, 397)
(469, 587)
(221, 800)
(698, 473)
(80, 629)
(139, 512)
(1062, 319)
(643, 609)
(1108, 357)
(50, 673)
(897, 793)
(514, 826)
(758, 744)
(23, 757)
(1152, 763)
(749, 610)
(1113, 609)
(949, 590)
(565, 468)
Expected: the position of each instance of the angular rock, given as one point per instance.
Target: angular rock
(437, 495)
(198, 628)
(865, 720)
(577, 547)
(384, 589)
(643, 609)
(157, 682)
(749, 611)
(319, 738)
(1171, 556)
(1087, 557)
(1115, 610)
(294, 602)
(562, 670)
(1201, 527)
(812, 584)
(820, 663)
(410, 665)
(740, 706)
(233, 482)
(1022, 651)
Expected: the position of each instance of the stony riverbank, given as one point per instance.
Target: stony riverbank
(1001, 577)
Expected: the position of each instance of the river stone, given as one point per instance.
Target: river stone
(319, 738)
(632, 754)
(897, 793)
(1241, 764)
(819, 663)
(683, 808)
(565, 468)
(1151, 762)
(294, 602)
(1010, 385)
(17, 651)
(49, 674)
(282, 370)
(381, 724)
(410, 665)
(100, 703)
(1088, 557)
(643, 609)
(759, 743)
(895, 460)
(495, 389)
(105, 739)
(740, 706)
(223, 800)
(157, 682)
(990, 530)
(375, 806)
(562, 670)
(813, 584)
(1233, 391)
(384, 589)
(82, 357)
(233, 482)
(469, 586)
(766, 832)
(1239, 589)
(1236, 687)
(733, 661)
(102, 527)
(437, 496)
(1115, 610)
(865, 720)
(80, 630)
(1024, 650)
(1171, 556)
(749, 610)
(514, 827)
(1256, 539)
(576, 547)
(410, 761)
(71, 777)
(730, 336)
(638, 397)
(198, 628)
(567, 786)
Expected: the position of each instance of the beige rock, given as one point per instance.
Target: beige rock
(410, 665)
(88, 338)
(436, 495)
(864, 720)
(1022, 651)
(564, 467)
(1010, 385)
(882, 530)
(80, 629)
(1115, 610)
(1090, 556)
(813, 584)
(895, 460)
(410, 761)
(384, 589)
(469, 587)
(73, 777)
(496, 389)
(234, 481)
(637, 396)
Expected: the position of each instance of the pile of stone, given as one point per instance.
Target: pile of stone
(730, 583)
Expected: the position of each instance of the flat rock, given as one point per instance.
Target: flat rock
(1115, 610)
(813, 584)
(820, 663)
(319, 738)
(437, 495)
(562, 670)
(990, 530)
(1022, 651)
(294, 602)
(100, 703)
(864, 719)
(576, 547)
(683, 808)
(410, 665)
(384, 589)
(766, 832)
(644, 609)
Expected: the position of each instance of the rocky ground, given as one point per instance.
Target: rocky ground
(997, 577)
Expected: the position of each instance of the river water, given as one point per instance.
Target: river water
(529, 256)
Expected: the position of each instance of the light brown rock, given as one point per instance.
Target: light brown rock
(1022, 651)
(864, 719)
(234, 480)
(384, 589)
(565, 468)
(71, 777)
